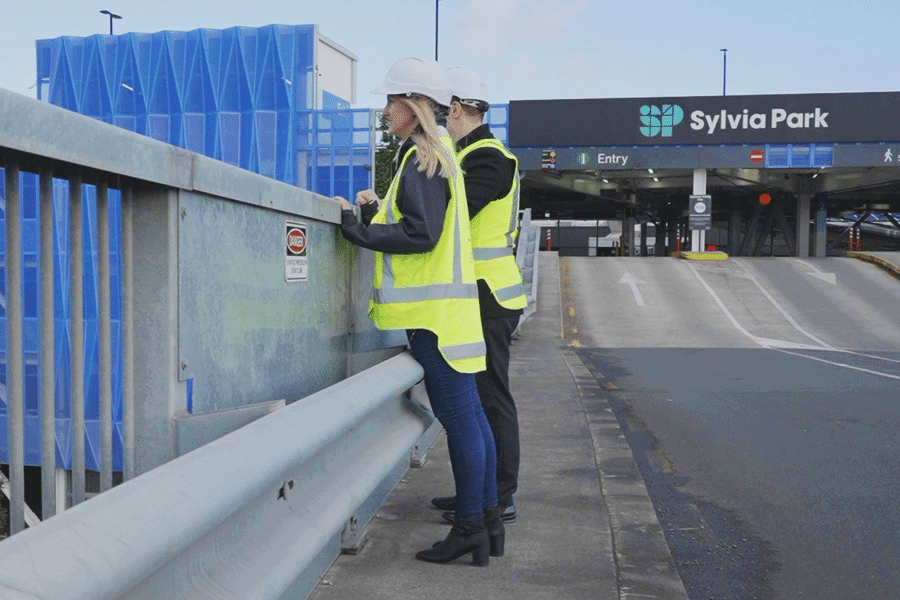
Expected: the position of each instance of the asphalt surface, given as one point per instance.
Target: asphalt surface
(760, 399)
(586, 528)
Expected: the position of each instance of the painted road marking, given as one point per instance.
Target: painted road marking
(783, 312)
(782, 346)
(760, 341)
(633, 282)
(837, 364)
(818, 273)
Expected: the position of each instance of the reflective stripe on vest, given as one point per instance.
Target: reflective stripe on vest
(491, 253)
(461, 351)
(508, 293)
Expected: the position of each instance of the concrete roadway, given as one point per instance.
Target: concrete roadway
(761, 399)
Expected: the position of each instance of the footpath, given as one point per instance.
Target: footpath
(586, 528)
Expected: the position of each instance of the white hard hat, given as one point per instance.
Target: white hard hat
(468, 86)
(417, 75)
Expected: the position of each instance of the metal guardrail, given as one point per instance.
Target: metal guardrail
(221, 331)
(527, 258)
(255, 514)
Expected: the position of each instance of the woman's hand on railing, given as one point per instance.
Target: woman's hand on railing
(345, 204)
(367, 196)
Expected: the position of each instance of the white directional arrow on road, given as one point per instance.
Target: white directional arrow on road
(633, 282)
(818, 273)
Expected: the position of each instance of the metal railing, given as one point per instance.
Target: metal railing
(527, 258)
(212, 333)
(258, 513)
(46, 348)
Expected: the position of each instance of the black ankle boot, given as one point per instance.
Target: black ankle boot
(465, 536)
(496, 532)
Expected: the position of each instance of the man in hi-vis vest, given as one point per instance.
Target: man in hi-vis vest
(492, 192)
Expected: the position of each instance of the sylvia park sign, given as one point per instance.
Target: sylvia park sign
(705, 120)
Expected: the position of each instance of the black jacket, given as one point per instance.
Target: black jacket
(422, 202)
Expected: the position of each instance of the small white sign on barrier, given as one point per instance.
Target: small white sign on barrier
(296, 252)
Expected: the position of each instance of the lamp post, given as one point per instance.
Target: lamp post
(724, 52)
(111, 17)
(436, 14)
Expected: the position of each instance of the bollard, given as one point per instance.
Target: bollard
(548, 239)
(854, 238)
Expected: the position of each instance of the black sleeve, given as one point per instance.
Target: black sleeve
(367, 212)
(423, 204)
(488, 175)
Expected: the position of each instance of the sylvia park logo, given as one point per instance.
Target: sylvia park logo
(662, 120)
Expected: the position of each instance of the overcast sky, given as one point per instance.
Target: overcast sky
(528, 49)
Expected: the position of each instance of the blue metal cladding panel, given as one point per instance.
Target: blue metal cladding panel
(335, 147)
(823, 156)
(498, 119)
(777, 155)
(231, 94)
(236, 95)
(32, 300)
(801, 155)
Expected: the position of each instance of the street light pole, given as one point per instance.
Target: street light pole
(111, 17)
(724, 52)
(436, 15)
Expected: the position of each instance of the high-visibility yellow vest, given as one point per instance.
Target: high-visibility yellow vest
(494, 231)
(434, 290)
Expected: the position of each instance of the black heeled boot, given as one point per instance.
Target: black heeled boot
(465, 536)
(496, 532)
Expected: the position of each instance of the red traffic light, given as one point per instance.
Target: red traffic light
(764, 199)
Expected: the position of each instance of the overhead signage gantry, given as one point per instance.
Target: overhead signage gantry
(590, 143)
(804, 130)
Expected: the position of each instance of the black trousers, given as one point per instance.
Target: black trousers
(498, 403)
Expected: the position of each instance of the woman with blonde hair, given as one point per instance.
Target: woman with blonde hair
(425, 284)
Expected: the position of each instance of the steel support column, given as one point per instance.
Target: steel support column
(644, 238)
(821, 227)
(15, 390)
(157, 391)
(698, 236)
(126, 262)
(628, 224)
(76, 337)
(104, 342)
(803, 205)
(48, 349)
(734, 232)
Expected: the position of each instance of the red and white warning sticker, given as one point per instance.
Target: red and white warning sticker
(296, 251)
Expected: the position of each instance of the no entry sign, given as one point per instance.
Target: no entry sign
(756, 156)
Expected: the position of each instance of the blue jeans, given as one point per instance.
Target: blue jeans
(455, 402)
